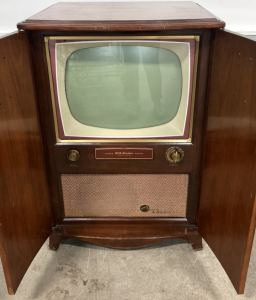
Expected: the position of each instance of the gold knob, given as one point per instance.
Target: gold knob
(73, 155)
(174, 155)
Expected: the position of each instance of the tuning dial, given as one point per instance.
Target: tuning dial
(73, 155)
(174, 155)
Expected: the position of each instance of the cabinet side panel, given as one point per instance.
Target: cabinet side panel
(25, 221)
(227, 207)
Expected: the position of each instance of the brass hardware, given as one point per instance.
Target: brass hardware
(73, 155)
(174, 155)
(144, 208)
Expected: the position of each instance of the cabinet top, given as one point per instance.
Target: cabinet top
(122, 16)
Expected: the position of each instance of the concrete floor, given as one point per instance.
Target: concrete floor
(168, 271)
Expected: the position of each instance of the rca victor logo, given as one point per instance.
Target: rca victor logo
(121, 153)
(124, 153)
(158, 211)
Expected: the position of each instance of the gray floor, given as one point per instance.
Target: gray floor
(170, 271)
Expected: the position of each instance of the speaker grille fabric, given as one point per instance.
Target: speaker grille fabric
(121, 195)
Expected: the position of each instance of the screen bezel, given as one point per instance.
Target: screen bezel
(190, 112)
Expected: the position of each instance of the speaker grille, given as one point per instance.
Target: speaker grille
(122, 195)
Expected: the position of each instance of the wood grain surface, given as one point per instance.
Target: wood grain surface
(227, 209)
(123, 11)
(56, 153)
(25, 221)
(127, 234)
(122, 16)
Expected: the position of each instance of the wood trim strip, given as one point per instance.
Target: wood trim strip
(118, 26)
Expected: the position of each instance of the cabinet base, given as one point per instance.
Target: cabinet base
(125, 237)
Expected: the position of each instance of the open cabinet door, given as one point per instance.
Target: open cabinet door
(227, 206)
(25, 221)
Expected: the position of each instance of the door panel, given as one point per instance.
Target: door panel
(227, 207)
(25, 221)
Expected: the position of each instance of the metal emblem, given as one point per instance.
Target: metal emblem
(144, 208)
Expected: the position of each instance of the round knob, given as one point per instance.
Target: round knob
(73, 155)
(174, 155)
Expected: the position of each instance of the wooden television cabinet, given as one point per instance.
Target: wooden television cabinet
(219, 158)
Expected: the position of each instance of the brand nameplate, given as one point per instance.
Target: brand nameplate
(123, 153)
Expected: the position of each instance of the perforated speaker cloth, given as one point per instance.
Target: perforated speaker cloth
(122, 195)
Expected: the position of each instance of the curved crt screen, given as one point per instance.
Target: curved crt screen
(123, 87)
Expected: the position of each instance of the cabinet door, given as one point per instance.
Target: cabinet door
(227, 206)
(25, 221)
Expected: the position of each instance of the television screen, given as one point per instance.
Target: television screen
(122, 89)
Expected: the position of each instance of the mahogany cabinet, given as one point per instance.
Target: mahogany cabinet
(219, 160)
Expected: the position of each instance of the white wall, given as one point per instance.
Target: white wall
(239, 15)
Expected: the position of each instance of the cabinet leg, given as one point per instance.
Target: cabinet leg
(54, 241)
(196, 241)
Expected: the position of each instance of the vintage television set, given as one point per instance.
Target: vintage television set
(125, 125)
